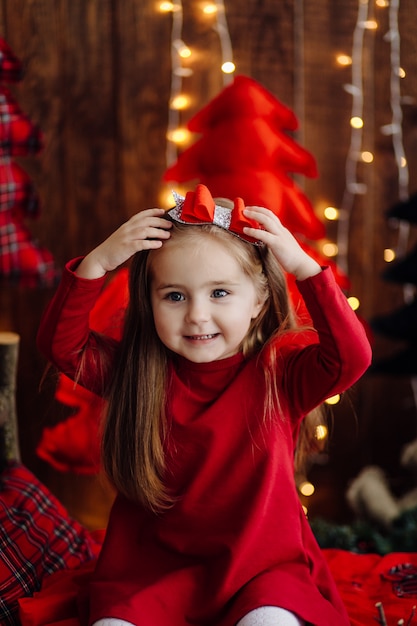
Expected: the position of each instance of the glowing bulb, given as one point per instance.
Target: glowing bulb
(179, 135)
(321, 432)
(333, 399)
(184, 52)
(367, 157)
(389, 255)
(306, 488)
(356, 122)
(228, 67)
(403, 162)
(180, 102)
(331, 213)
(209, 9)
(370, 24)
(354, 302)
(344, 59)
(382, 3)
(330, 249)
(401, 72)
(165, 7)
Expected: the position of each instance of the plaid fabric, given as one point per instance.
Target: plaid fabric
(16, 190)
(37, 538)
(10, 66)
(18, 135)
(20, 257)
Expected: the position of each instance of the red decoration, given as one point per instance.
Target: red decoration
(21, 258)
(245, 151)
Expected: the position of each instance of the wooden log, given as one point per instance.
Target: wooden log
(9, 350)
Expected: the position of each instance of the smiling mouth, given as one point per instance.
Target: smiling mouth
(201, 337)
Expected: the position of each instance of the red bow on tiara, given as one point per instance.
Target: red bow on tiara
(198, 207)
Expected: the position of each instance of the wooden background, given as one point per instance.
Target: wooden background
(97, 81)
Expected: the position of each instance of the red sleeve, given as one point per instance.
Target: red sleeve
(336, 358)
(65, 337)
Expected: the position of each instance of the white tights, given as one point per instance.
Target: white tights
(264, 616)
(270, 616)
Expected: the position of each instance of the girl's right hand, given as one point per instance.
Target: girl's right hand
(144, 231)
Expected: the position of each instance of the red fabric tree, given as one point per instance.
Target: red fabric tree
(21, 258)
(245, 150)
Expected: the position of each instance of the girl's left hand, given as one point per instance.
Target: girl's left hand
(281, 242)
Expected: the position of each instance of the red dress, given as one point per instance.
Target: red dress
(237, 538)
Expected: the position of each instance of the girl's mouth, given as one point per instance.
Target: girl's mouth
(201, 337)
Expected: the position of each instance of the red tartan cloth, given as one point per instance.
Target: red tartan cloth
(21, 258)
(37, 538)
(10, 66)
(17, 192)
(18, 135)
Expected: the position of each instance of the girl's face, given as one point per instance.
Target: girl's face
(202, 301)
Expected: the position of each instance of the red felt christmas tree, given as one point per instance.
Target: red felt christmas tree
(245, 150)
(21, 258)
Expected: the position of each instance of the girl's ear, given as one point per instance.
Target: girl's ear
(259, 304)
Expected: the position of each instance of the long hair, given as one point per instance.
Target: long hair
(135, 427)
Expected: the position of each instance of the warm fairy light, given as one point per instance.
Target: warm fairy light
(389, 255)
(306, 488)
(333, 399)
(356, 122)
(321, 432)
(180, 102)
(179, 135)
(209, 9)
(228, 67)
(344, 59)
(184, 52)
(330, 249)
(382, 3)
(401, 72)
(403, 162)
(331, 213)
(370, 24)
(165, 7)
(366, 156)
(354, 302)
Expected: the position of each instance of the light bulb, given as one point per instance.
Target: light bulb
(180, 102)
(354, 302)
(389, 255)
(330, 249)
(331, 213)
(306, 488)
(333, 399)
(228, 67)
(356, 122)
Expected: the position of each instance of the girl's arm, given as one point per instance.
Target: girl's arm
(339, 353)
(64, 335)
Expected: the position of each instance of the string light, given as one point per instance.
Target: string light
(354, 302)
(389, 255)
(333, 399)
(306, 488)
(352, 186)
(180, 52)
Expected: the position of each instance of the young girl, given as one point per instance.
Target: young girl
(206, 393)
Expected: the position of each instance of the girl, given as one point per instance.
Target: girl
(206, 393)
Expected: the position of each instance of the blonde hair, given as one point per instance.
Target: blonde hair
(135, 427)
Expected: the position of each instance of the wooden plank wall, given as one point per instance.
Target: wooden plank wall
(97, 80)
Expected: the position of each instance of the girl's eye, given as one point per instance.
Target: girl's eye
(175, 296)
(220, 293)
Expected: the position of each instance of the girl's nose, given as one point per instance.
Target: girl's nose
(197, 312)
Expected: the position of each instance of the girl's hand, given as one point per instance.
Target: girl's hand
(144, 231)
(281, 242)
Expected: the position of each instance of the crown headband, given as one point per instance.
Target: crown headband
(198, 207)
